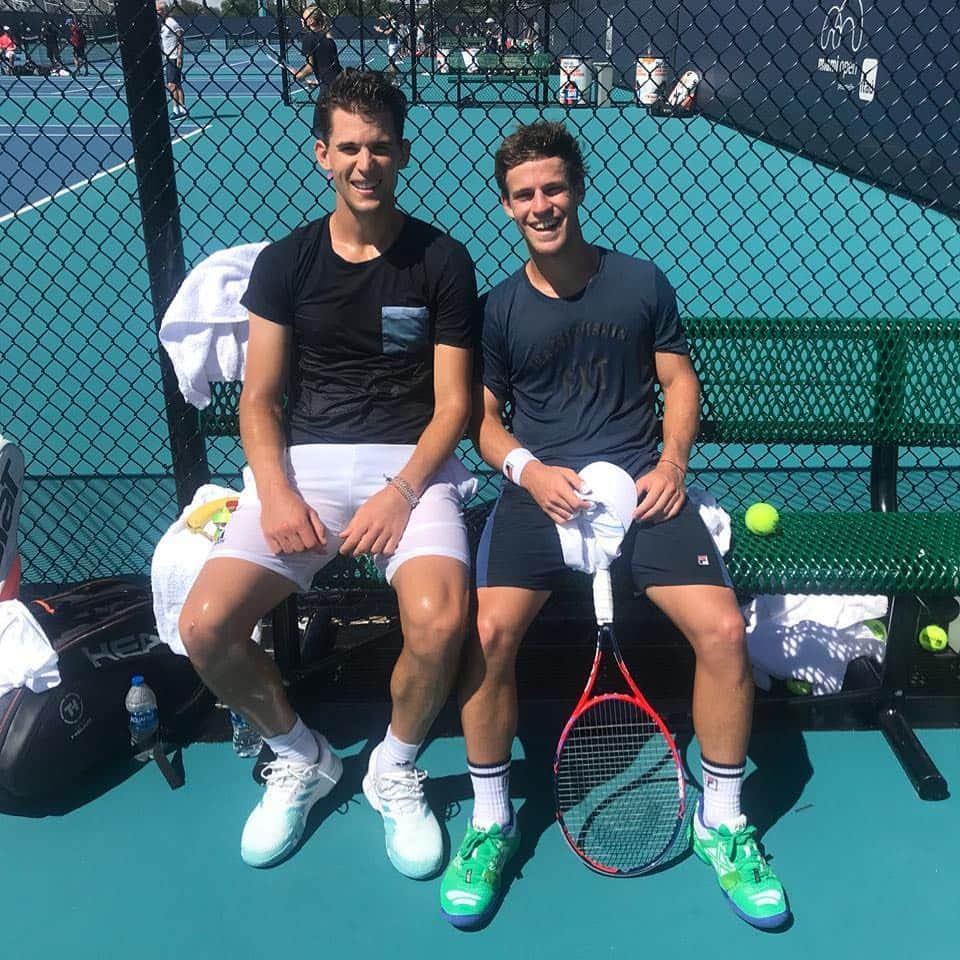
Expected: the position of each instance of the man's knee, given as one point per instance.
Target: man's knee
(434, 622)
(723, 642)
(499, 640)
(207, 627)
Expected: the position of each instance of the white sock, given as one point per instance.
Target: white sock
(394, 754)
(721, 791)
(298, 744)
(491, 793)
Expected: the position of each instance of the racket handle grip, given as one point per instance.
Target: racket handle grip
(603, 596)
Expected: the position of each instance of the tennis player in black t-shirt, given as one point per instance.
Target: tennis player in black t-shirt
(321, 60)
(373, 314)
(575, 341)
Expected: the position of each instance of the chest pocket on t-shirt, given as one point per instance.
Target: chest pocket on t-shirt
(405, 330)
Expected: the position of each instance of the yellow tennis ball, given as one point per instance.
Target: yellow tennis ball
(933, 638)
(762, 519)
(799, 688)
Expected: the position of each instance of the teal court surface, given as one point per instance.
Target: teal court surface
(869, 868)
(739, 227)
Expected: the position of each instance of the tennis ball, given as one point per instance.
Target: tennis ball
(762, 519)
(799, 688)
(933, 638)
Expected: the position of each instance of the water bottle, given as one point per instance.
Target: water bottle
(144, 718)
(246, 738)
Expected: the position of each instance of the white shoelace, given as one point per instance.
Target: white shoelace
(402, 790)
(287, 780)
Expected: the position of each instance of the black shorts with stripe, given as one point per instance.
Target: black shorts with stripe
(520, 547)
(172, 75)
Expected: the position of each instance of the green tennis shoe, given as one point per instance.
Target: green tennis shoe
(746, 880)
(473, 881)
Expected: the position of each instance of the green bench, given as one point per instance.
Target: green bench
(510, 67)
(852, 428)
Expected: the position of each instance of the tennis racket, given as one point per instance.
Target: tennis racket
(617, 777)
(272, 56)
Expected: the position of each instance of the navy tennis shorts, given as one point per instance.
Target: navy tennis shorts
(171, 73)
(520, 547)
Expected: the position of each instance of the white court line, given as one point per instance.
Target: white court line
(83, 183)
(62, 136)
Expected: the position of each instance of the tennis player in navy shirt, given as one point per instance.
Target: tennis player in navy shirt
(576, 341)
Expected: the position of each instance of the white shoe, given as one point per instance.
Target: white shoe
(276, 825)
(413, 839)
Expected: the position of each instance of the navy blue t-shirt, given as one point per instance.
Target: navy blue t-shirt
(579, 371)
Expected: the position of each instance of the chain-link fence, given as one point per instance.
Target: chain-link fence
(777, 160)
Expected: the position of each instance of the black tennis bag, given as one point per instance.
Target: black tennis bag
(104, 633)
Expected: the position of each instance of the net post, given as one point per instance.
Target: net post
(282, 39)
(140, 54)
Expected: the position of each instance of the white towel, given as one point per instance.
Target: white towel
(811, 637)
(204, 330)
(832, 610)
(591, 539)
(176, 562)
(27, 658)
(714, 517)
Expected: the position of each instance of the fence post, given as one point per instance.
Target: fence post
(282, 43)
(146, 94)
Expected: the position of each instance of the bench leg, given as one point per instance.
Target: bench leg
(916, 762)
(286, 636)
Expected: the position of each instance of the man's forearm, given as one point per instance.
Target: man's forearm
(264, 444)
(494, 441)
(681, 421)
(438, 440)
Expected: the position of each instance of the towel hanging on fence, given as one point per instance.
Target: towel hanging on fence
(204, 330)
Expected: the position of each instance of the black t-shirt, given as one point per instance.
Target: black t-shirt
(321, 53)
(580, 371)
(364, 333)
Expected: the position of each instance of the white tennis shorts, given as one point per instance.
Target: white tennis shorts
(335, 479)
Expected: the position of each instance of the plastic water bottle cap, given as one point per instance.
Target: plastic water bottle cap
(136, 681)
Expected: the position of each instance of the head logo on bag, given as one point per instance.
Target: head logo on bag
(121, 648)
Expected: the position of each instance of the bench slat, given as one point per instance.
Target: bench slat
(850, 553)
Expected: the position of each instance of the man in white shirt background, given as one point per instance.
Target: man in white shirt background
(171, 42)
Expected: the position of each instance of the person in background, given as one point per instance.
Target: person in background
(8, 51)
(50, 38)
(387, 25)
(77, 38)
(321, 61)
(171, 42)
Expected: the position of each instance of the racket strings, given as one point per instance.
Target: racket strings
(617, 787)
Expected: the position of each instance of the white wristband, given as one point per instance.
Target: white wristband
(515, 462)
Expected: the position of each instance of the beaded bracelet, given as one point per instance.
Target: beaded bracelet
(673, 463)
(404, 489)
